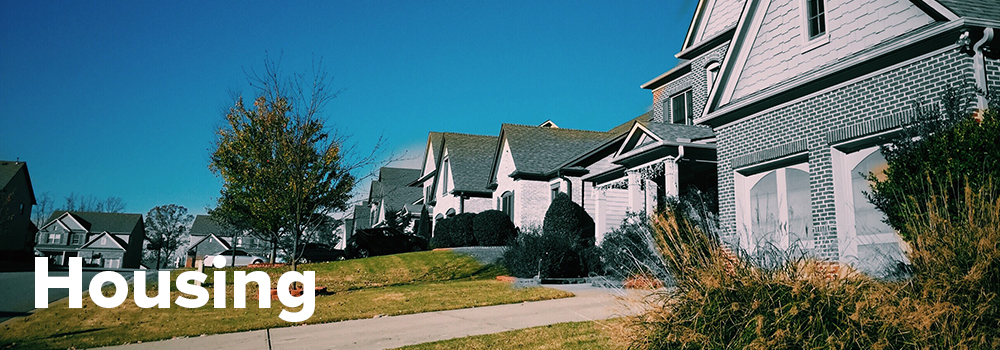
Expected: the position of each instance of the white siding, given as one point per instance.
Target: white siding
(852, 25)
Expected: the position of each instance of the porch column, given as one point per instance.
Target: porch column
(650, 189)
(670, 178)
(635, 195)
(599, 215)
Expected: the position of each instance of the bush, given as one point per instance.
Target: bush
(443, 236)
(566, 218)
(424, 224)
(629, 251)
(941, 144)
(462, 230)
(493, 228)
(565, 248)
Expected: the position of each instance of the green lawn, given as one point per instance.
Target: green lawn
(362, 288)
(570, 335)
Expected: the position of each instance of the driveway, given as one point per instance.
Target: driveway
(18, 290)
(590, 303)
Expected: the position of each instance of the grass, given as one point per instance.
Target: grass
(362, 288)
(569, 335)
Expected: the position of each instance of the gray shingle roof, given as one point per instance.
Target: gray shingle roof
(204, 225)
(392, 186)
(540, 150)
(984, 9)
(362, 216)
(470, 157)
(436, 139)
(671, 132)
(627, 126)
(7, 171)
(117, 223)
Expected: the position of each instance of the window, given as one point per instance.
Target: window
(681, 108)
(76, 239)
(775, 209)
(54, 238)
(554, 190)
(507, 204)
(711, 71)
(816, 18)
(866, 242)
(444, 176)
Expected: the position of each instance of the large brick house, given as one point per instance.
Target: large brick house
(799, 94)
(108, 240)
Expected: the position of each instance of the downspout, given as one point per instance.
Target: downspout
(979, 67)
(569, 185)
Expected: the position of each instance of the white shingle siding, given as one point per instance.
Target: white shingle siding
(852, 26)
(723, 15)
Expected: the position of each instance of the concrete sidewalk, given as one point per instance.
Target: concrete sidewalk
(590, 303)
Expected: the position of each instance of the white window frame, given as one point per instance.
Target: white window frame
(445, 172)
(848, 240)
(711, 72)
(744, 182)
(688, 96)
(810, 42)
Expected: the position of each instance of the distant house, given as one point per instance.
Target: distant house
(109, 240)
(17, 232)
(454, 174)
(529, 167)
(391, 193)
(208, 236)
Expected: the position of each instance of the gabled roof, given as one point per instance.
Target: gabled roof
(117, 223)
(225, 244)
(205, 225)
(362, 216)
(469, 157)
(669, 132)
(9, 169)
(624, 128)
(434, 143)
(539, 150)
(392, 187)
(120, 242)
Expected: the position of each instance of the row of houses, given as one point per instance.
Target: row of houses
(778, 105)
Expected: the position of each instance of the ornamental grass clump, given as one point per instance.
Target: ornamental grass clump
(723, 300)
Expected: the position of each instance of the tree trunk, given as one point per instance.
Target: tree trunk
(274, 248)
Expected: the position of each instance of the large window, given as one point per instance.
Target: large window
(815, 17)
(681, 108)
(444, 176)
(775, 209)
(507, 204)
(866, 241)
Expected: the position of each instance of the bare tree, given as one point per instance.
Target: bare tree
(75, 202)
(166, 229)
(43, 209)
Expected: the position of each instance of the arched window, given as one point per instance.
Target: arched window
(711, 72)
(507, 203)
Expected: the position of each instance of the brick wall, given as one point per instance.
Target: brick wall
(531, 200)
(810, 119)
(695, 80)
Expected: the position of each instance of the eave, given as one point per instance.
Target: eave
(679, 71)
(707, 44)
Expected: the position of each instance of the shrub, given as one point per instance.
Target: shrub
(424, 224)
(941, 144)
(628, 250)
(443, 236)
(566, 218)
(462, 230)
(565, 248)
(493, 228)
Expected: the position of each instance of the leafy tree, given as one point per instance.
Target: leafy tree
(424, 224)
(166, 230)
(279, 164)
(493, 228)
(941, 152)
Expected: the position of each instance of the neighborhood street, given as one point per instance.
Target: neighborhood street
(590, 303)
(18, 290)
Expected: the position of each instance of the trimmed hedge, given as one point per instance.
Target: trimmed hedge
(462, 230)
(443, 234)
(565, 248)
(493, 228)
(566, 218)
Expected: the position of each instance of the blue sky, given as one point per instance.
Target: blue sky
(122, 98)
